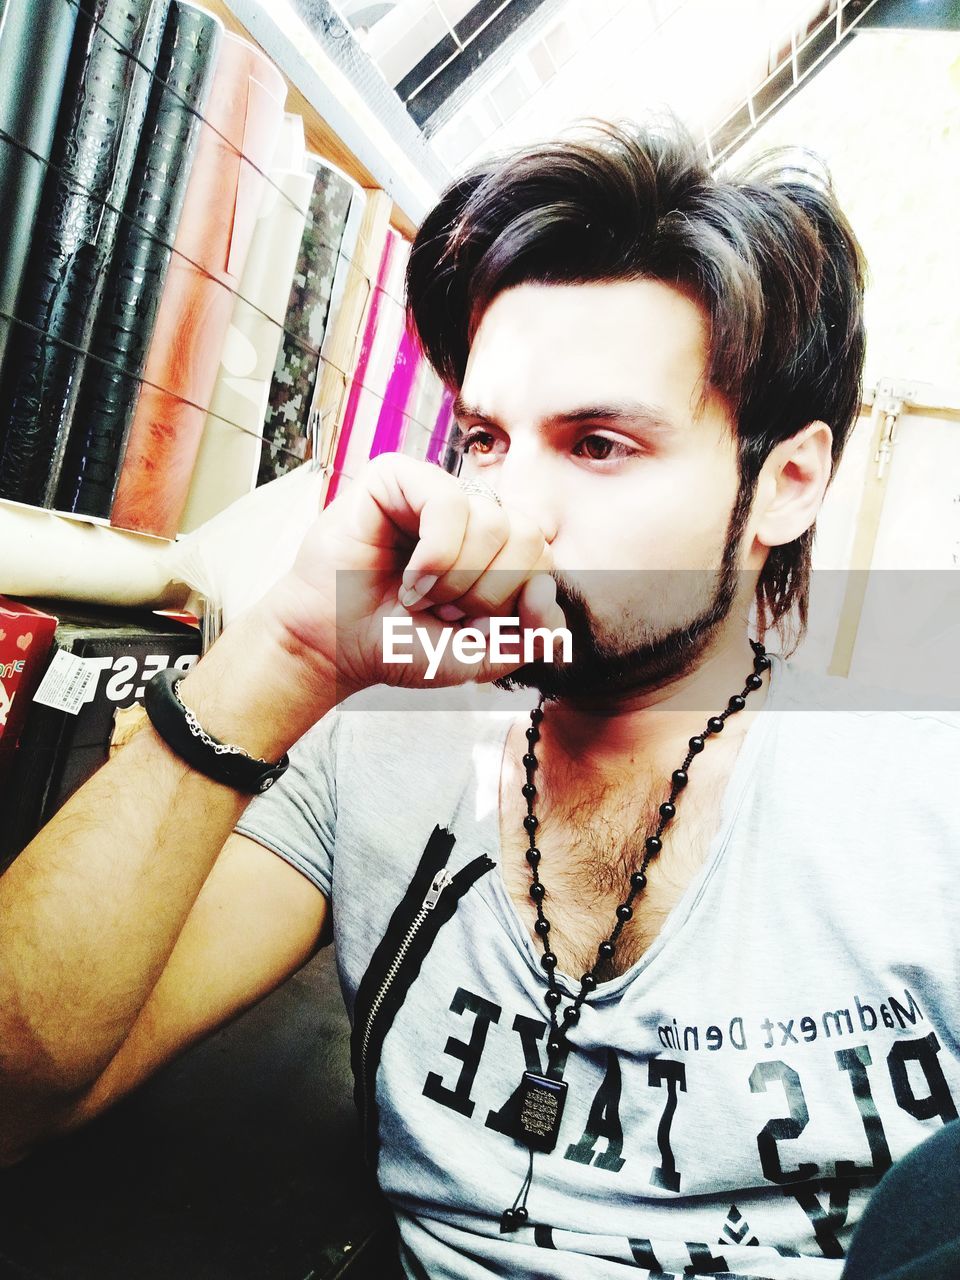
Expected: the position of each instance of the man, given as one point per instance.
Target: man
(655, 372)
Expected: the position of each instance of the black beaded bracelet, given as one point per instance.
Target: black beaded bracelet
(183, 734)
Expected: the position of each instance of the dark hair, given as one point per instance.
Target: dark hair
(768, 254)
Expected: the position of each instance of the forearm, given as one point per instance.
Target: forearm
(91, 910)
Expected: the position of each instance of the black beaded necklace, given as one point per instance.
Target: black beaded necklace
(541, 1097)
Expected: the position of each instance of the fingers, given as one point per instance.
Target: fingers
(487, 648)
(537, 604)
(498, 552)
(524, 554)
(537, 609)
(487, 534)
(468, 556)
(445, 537)
(398, 502)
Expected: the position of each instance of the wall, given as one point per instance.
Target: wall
(885, 114)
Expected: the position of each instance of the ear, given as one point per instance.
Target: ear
(791, 486)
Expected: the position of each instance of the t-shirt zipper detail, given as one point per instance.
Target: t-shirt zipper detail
(430, 901)
(440, 882)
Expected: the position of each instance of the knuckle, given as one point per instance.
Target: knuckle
(545, 561)
(493, 524)
(530, 544)
(383, 463)
(523, 526)
(452, 585)
(378, 476)
(493, 590)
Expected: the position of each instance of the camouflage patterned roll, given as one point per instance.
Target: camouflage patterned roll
(288, 429)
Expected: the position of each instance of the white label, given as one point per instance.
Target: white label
(66, 682)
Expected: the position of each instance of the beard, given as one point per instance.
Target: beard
(672, 619)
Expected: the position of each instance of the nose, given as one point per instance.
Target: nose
(525, 482)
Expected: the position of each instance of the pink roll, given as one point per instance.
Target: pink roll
(243, 122)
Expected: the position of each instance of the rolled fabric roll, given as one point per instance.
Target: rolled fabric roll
(393, 418)
(44, 553)
(372, 420)
(92, 157)
(287, 426)
(34, 50)
(244, 116)
(422, 412)
(352, 292)
(415, 442)
(226, 466)
(108, 394)
(323, 418)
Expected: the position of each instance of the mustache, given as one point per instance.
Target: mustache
(571, 600)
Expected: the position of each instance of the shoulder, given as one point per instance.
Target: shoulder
(801, 690)
(398, 746)
(407, 724)
(906, 740)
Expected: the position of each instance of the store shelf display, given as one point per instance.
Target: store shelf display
(195, 309)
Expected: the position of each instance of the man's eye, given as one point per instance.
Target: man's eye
(601, 448)
(475, 441)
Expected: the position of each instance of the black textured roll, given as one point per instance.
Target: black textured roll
(167, 715)
(127, 313)
(97, 133)
(35, 42)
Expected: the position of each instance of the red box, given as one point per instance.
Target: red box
(26, 636)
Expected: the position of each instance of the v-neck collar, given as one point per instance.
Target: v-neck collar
(489, 760)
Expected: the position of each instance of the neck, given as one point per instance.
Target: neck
(604, 734)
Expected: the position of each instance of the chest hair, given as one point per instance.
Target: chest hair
(590, 843)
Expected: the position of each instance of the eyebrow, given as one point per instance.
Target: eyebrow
(627, 413)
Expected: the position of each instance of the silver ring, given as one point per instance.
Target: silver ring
(478, 488)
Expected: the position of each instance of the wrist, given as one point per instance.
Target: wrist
(260, 686)
(222, 762)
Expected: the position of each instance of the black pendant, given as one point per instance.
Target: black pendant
(540, 1111)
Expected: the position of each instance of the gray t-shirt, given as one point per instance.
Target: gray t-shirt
(733, 1097)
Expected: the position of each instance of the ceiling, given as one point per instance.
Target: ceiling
(482, 76)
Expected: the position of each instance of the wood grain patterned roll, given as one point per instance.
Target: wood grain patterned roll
(244, 118)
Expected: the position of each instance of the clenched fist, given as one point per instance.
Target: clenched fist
(406, 539)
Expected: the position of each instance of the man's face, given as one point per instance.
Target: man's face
(584, 406)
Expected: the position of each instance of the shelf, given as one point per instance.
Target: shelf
(60, 555)
(340, 124)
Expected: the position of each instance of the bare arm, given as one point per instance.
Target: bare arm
(256, 921)
(91, 911)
